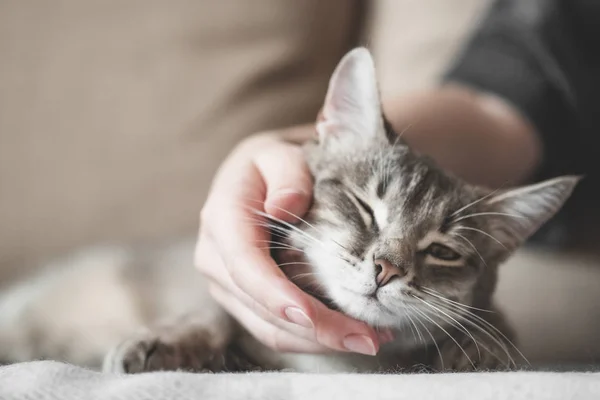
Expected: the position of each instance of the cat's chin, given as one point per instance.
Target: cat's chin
(368, 309)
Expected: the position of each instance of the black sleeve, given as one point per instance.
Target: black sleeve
(543, 57)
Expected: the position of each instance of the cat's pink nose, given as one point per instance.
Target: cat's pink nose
(386, 271)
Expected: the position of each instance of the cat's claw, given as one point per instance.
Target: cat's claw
(171, 350)
(163, 352)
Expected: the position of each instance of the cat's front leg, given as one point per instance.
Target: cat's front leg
(180, 345)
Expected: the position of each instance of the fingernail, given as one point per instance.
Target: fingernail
(299, 317)
(360, 344)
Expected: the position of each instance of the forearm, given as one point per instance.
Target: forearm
(475, 136)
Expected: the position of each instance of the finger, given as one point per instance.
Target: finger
(216, 273)
(288, 181)
(268, 334)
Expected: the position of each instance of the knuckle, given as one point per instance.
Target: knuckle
(256, 141)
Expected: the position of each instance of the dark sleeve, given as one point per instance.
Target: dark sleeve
(542, 56)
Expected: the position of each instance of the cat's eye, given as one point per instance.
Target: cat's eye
(365, 208)
(442, 252)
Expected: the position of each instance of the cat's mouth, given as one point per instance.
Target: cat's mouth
(372, 299)
(375, 299)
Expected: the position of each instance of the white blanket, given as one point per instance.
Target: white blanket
(45, 380)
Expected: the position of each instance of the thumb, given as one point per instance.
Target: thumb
(288, 181)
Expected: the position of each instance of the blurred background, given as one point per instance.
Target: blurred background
(115, 114)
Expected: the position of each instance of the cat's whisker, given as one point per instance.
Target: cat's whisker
(303, 275)
(472, 246)
(406, 128)
(496, 331)
(276, 231)
(455, 213)
(274, 248)
(306, 223)
(417, 313)
(280, 245)
(313, 288)
(448, 334)
(485, 327)
(285, 264)
(279, 231)
(411, 325)
(502, 214)
(297, 230)
(292, 227)
(483, 233)
(492, 335)
(478, 343)
(420, 336)
(458, 324)
(437, 294)
(458, 314)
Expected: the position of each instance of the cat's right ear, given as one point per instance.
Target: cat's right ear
(352, 106)
(514, 215)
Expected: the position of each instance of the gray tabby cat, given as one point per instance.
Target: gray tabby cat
(390, 239)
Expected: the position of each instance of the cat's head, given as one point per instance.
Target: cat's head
(388, 227)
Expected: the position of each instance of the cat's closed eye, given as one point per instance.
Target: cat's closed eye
(442, 252)
(366, 211)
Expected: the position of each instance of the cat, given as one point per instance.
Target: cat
(390, 239)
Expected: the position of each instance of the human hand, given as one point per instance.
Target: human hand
(245, 280)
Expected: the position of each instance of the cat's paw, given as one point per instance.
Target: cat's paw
(172, 349)
(473, 354)
(163, 352)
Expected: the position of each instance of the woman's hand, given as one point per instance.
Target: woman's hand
(268, 172)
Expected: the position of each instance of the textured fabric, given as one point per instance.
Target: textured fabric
(50, 380)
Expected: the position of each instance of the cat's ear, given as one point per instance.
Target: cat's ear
(514, 215)
(352, 106)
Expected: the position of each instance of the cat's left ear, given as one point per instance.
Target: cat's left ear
(515, 215)
(352, 105)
